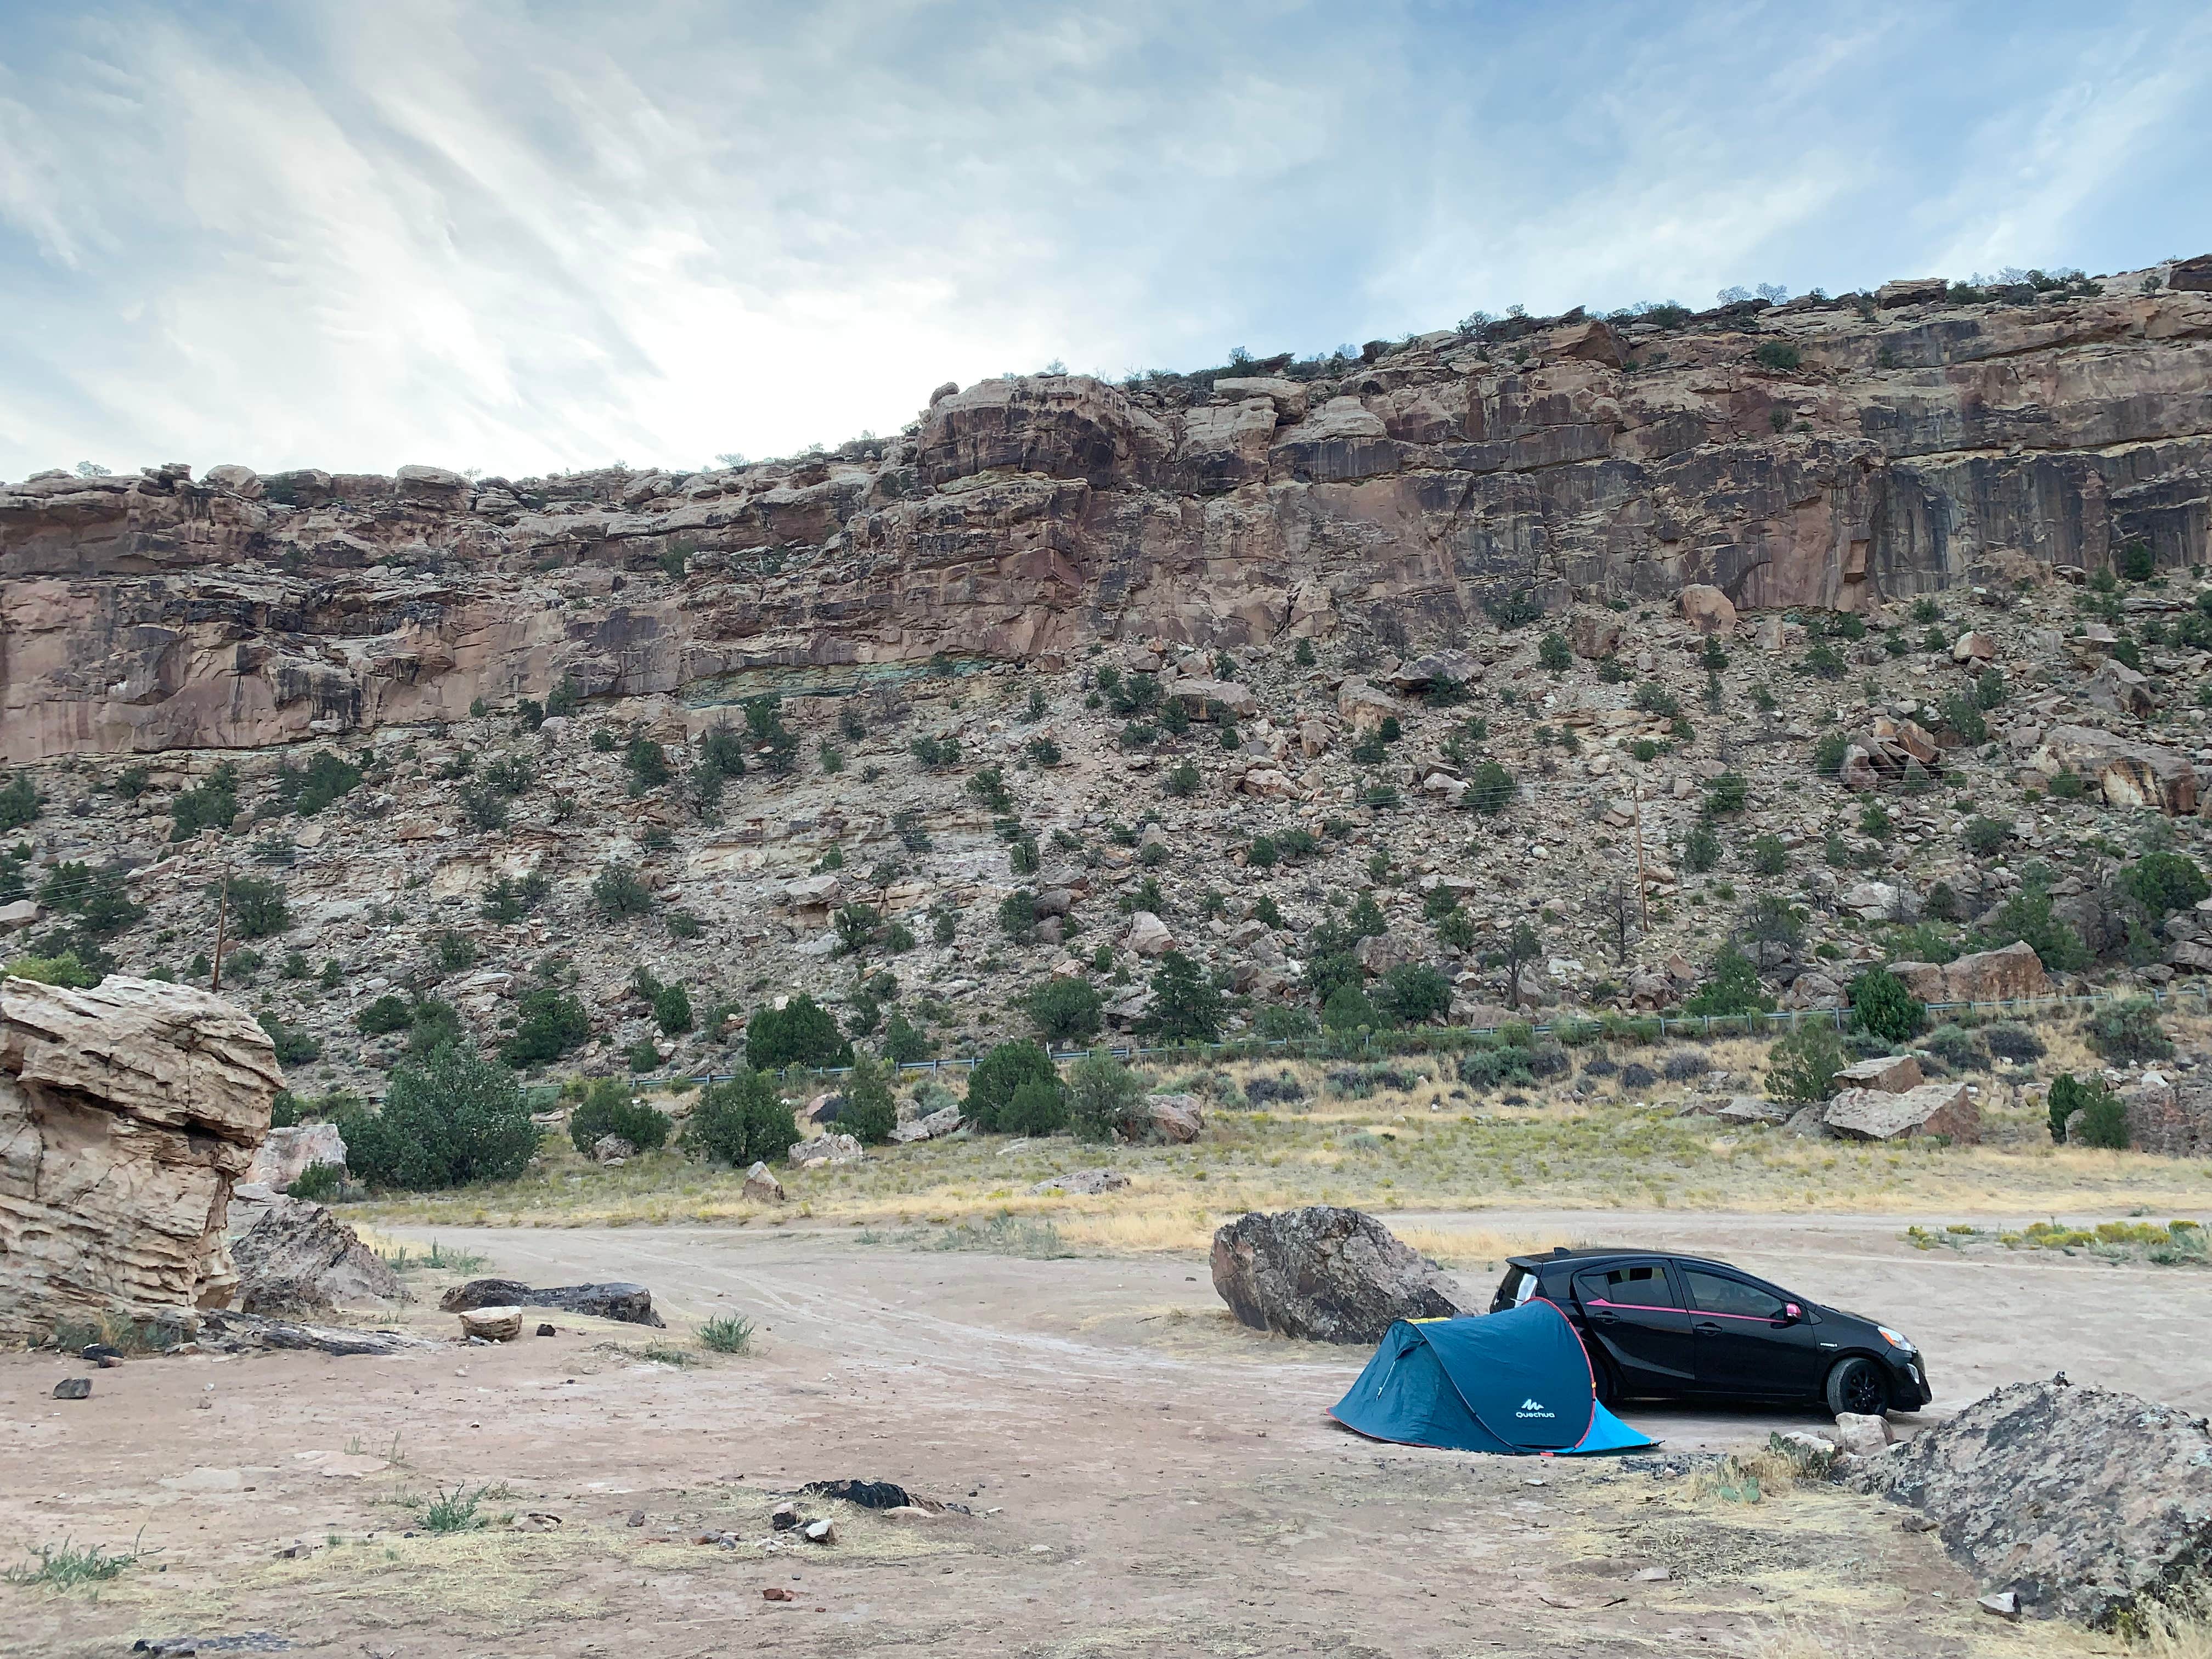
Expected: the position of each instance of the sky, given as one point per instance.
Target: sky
(526, 237)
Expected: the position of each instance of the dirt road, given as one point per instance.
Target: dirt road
(1148, 1477)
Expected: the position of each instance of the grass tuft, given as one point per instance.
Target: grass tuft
(65, 1567)
(727, 1335)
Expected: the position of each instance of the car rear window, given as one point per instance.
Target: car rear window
(1715, 1294)
(1643, 1285)
(1514, 1287)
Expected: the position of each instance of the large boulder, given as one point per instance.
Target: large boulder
(616, 1299)
(126, 1114)
(2125, 773)
(1933, 1109)
(1887, 1074)
(2086, 1502)
(2013, 973)
(289, 1153)
(1176, 1118)
(2167, 1118)
(298, 1259)
(1327, 1274)
(1707, 608)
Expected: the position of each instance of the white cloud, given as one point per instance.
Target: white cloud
(520, 237)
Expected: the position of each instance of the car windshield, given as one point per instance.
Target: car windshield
(1642, 1286)
(1734, 1298)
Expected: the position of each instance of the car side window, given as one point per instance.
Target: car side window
(1643, 1285)
(1716, 1295)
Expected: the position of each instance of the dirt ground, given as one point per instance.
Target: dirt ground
(1146, 1477)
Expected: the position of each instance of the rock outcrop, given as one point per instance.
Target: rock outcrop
(1325, 1273)
(300, 1260)
(2011, 975)
(1932, 1109)
(1916, 444)
(2086, 1502)
(289, 1153)
(632, 1304)
(126, 1113)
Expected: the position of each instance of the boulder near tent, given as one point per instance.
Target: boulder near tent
(1515, 1382)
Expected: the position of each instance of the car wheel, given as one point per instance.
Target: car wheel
(1856, 1385)
(1605, 1380)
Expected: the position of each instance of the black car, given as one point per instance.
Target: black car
(1656, 1323)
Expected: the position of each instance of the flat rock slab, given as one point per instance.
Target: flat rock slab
(1933, 1109)
(631, 1303)
(2083, 1503)
(1890, 1074)
(243, 1333)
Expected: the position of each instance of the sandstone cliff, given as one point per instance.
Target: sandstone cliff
(1827, 452)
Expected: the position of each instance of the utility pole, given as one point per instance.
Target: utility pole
(1643, 898)
(222, 916)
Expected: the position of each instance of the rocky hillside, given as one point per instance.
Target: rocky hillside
(1876, 620)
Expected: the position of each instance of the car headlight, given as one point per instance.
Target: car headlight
(1896, 1339)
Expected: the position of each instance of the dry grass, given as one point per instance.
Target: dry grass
(1397, 1135)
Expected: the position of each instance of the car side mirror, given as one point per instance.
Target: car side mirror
(1792, 1313)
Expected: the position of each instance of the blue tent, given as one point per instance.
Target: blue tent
(1514, 1382)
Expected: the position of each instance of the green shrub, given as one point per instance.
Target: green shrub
(2136, 562)
(741, 1122)
(1881, 1004)
(1727, 793)
(800, 1033)
(549, 1023)
(617, 892)
(1828, 754)
(326, 778)
(1347, 1008)
(1802, 1066)
(869, 1113)
(212, 806)
(65, 969)
(294, 1046)
(1731, 986)
(1554, 654)
(1413, 994)
(1985, 837)
(1489, 788)
(727, 1333)
(20, 803)
(1105, 1099)
(452, 1121)
(1067, 1011)
(2164, 882)
(903, 1043)
(1262, 852)
(2127, 1031)
(996, 1078)
(1778, 355)
(319, 1183)
(258, 908)
(1701, 850)
(608, 1109)
(1038, 1107)
(2027, 917)
(387, 1013)
(1769, 857)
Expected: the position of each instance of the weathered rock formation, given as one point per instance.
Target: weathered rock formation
(2084, 1501)
(298, 1259)
(2011, 975)
(1914, 444)
(126, 1112)
(631, 1303)
(1931, 1109)
(289, 1153)
(1325, 1273)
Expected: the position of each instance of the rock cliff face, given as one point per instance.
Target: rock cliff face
(1826, 453)
(126, 1112)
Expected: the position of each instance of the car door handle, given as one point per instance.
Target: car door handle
(1603, 1319)
(1708, 1325)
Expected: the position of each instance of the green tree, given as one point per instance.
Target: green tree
(1105, 1098)
(741, 1122)
(1731, 986)
(997, 1077)
(616, 892)
(258, 908)
(1067, 1011)
(212, 806)
(903, 1043)
(1039, 1107)
(1186, 1007)
(1347, 1008)
(453, 1120)
(1552, 654)
(2164, 882)
(2127, 1031)
(1883, 1005)
(800, 1033)
(20, 803)
(549, 1023)
(2027, 917)
(1489, 789)
(672, 1010)
(1414, 994)
(869, 1113)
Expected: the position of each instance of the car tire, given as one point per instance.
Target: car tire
(1605, 1381)
(1857, 1385)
